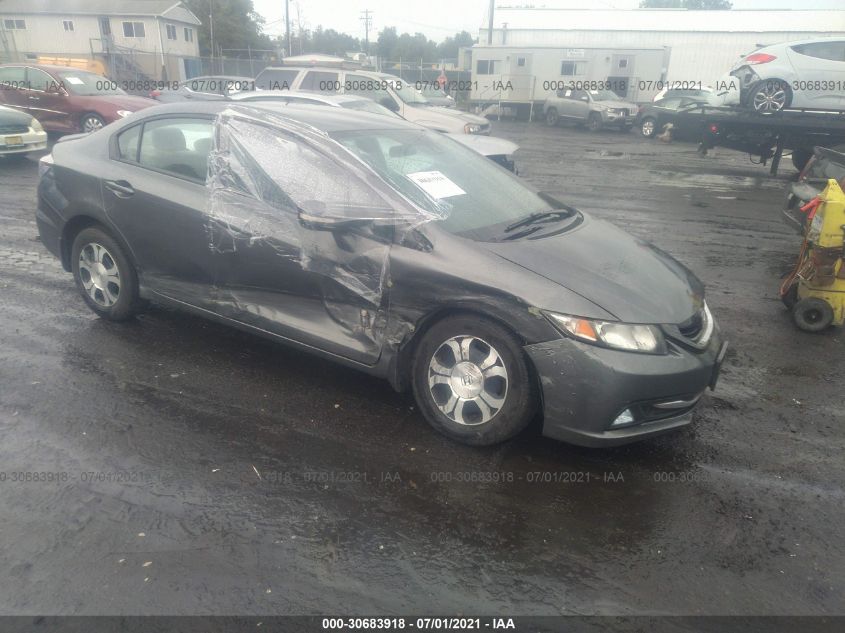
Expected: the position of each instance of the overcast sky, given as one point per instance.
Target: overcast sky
(439, 18)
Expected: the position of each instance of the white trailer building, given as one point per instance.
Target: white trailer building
(577, 45)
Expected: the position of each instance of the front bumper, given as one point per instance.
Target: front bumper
(619, 120)
(585, 387)
(30, 141)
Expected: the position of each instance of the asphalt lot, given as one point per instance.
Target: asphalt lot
(199, 470)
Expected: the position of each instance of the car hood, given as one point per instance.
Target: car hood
(457, 114)
(11, 116)
(486, 145)
(120, 102)
(628, 277)
(618, 105)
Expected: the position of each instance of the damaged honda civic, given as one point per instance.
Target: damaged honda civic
(394, 250)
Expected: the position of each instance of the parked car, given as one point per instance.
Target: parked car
(392, 249)
(387, 90)
(652, 118)
(206, 88)
(705, 93)
(498, 150)
(825, 163)
(807, 74)
(436, 96)
(20, 133)
(594, 108)
(65, 99)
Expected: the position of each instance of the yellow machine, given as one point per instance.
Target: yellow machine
(815, 290)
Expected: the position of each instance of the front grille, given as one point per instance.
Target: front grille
(14, 128)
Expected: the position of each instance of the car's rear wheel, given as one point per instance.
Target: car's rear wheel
(104, 275)
(648, 127)
(472, 382)
(552, 117)
(769, 96)
(594, 122)
(91, 123)
(812, 314)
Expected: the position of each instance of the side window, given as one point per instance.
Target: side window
(671, 104)
(178, 146)
(578, 95)
(127, 144)
(39, 80)
(834, 51)
(319, 81)
(12, 78)
(275, 79)
(366, 87)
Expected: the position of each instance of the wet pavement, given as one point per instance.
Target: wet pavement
(179, 467)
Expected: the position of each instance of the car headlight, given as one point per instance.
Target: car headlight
(472, 128)
(124, 113)
(36, 126)
(623, 336)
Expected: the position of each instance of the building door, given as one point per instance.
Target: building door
(621, 71)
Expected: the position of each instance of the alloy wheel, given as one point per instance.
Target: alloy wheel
(99, 274)
(769, 97)
(648, 127)
(91, 124)
(468, 380)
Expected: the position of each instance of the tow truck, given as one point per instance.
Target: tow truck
(765, 136)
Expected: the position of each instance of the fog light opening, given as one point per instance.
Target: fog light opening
(626, 417)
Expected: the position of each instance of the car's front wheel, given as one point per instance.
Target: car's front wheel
(104, 275)
(594, 122)
(552, 117)
(91, 123)
(648, 127)
(769, 96)
(472, 381)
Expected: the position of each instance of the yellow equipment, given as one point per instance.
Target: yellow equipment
(816, 288)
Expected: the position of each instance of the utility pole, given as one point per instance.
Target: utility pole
(490, 23)
(211, 29)
(287, 27)
(366, 18)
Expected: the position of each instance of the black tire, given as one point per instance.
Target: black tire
(648, 123)
(113, 301)
(552, 117)
(516, 391)
(812, 314)
(91, 122)
(594, 122)
(757, 101)
(800, 158)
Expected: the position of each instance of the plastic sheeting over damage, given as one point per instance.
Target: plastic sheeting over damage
(282, 183)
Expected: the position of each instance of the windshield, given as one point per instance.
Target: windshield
(366, 105)
(85, 84)
(407, 93)
(477, 197)
(604, 95)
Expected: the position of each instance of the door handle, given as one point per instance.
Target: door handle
(120, 188)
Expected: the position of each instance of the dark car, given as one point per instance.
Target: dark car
(825, 164)
(652, 118)
(207, 88)
(65, 99)
(394, 250)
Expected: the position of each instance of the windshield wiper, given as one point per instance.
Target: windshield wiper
(540, 217)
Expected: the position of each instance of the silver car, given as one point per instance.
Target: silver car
(594, 108)
(807, 74)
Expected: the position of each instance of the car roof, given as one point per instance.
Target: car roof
(328, 120)
(335, 100)
(374, 73)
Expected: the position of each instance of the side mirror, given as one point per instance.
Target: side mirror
(390, 104)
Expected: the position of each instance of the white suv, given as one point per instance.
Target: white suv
(388, 90)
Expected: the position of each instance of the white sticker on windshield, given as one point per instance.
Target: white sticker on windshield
(436, 184)
(75, 81)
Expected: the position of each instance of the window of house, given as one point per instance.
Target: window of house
(14, 25)
(623, 63)
(571, 69)
(171, 31)
(487, 67)
(67, 24)
(520, 61)
(133, 29)
(189, 34)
